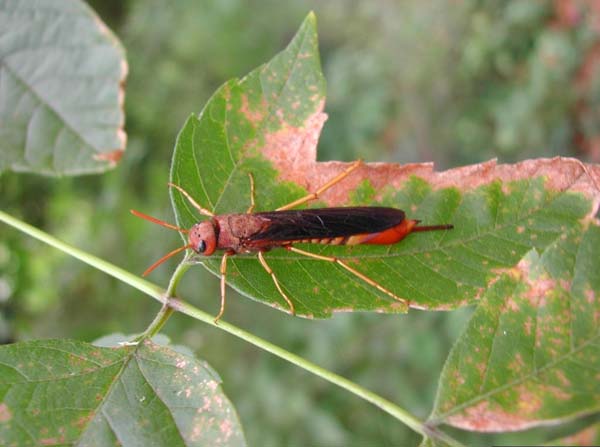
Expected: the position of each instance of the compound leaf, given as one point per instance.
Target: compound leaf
(63, 392)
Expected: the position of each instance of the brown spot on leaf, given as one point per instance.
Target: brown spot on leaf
(558, 392)
(590, 296)
(82, 421)
(5, 413)
(481, 368)
(459, 378)
(254, 116)
(564, 381)
(486, 418)
(226, 428)
(538, 288)
(517, 364)
(529, 402)
(113, 157)
(181, 363)
(564, 284)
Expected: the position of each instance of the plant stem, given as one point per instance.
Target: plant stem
(175, 304)
(156, 325)
(166, 310)
(135, 281)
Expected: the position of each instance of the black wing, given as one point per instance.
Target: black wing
(327, 222)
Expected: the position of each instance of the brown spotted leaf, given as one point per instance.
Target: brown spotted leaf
(268, 124)
(61, 89)
(530, 354)
(61, 392)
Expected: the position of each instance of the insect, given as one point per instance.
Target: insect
(262, 231)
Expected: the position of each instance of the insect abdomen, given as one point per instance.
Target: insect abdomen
(340, 240)
(386, 237)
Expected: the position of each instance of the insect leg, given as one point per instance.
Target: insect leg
(195, 204)
(261, 258)
(251, 177)
(351, 270)
(223, 272)
(323, 188)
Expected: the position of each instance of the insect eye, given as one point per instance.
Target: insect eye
(201, 246)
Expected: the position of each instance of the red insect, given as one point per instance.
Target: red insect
(260, 232)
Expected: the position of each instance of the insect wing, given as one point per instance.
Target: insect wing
(318, 223)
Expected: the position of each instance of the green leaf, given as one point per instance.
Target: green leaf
(530, 352)
(268, 124)
(61, 392)
(61, 94)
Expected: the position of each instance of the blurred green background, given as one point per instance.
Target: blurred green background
(455, 82)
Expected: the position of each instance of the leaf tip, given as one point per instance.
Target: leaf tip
(311, 19)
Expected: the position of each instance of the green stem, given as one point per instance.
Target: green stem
(156, 325)
(176, 304)
(166, 310)
(177, 275)
(135, 281)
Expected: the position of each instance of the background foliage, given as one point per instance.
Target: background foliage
(453, 82)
